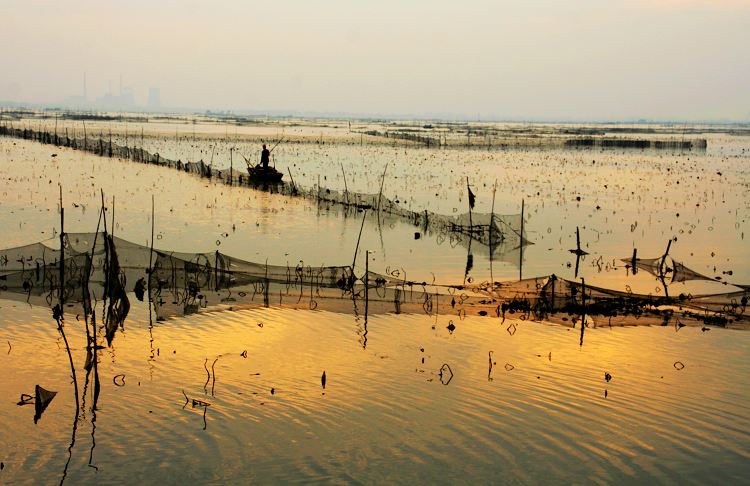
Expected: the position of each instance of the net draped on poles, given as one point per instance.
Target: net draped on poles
(498, 233)
(100, 268)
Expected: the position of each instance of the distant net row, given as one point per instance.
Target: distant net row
(496, 232)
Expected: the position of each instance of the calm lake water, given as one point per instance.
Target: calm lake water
(405, 399)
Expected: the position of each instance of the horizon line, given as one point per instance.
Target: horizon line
(345, 115)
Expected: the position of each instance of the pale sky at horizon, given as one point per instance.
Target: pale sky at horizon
(534, 59)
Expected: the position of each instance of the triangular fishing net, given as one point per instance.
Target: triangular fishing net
(182, 283)
(681, 273)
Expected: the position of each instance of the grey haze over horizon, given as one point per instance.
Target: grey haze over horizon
(491, 60)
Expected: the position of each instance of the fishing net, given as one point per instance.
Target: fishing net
(102, 268)
(37, 280)
(184, 283)
(681, 273)
(87, 269)
(654, 266)
(663, 266)
(495, 232)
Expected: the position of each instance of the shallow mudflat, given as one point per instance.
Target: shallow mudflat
(405, 398)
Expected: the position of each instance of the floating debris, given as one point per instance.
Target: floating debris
(42, 400)
(445, 374)
(26, 399)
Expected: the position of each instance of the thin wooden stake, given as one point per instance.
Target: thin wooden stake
(62, 300)
(468, 196)
(367, 282)
(491, 229)
(294, 186)
(62, 252)
(664, 258)
(346, 189)
(112, 233)
(583, 309)
(356, 250)
(151, 250)
(520, 259)
(380, 194)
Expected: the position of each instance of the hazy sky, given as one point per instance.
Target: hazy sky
(534, 59)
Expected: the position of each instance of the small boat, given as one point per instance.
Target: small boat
(259, 175)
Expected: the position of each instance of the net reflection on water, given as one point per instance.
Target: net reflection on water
(382, 404)
(104, 267)
(382, 421)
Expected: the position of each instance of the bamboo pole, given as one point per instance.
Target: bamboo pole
(346, 189)
(62, 251)
(583, 309)
(491, 229)
(62, 302)
(367, 284)
(468, 194)
(380, 194)
(520, 258)
(356, 249)
(151, 249)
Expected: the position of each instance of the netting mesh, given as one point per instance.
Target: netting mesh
(681, 273)
(665, 266)
(654, 266)
(491, 230)
(101, 268)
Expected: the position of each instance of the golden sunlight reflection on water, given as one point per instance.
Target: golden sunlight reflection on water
(405, 399)
(384, 414)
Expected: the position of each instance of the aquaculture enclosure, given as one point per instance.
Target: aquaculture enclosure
(464, 285)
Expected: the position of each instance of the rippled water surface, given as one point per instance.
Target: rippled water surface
(543, 412)
(405, 399)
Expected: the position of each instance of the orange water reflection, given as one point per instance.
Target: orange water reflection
(383, 409)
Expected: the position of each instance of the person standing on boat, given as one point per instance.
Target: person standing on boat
(265, 155)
